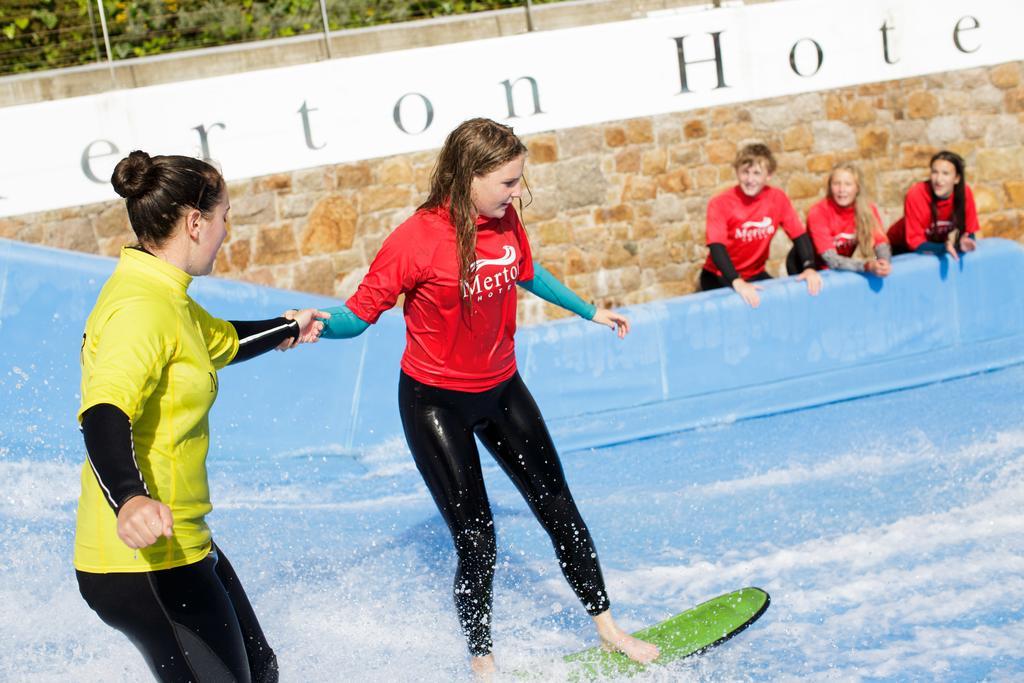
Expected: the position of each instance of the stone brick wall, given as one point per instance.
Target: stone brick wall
(618, 208)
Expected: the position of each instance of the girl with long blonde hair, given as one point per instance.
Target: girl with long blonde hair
(846, 227)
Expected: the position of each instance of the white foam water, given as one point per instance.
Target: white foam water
(893, 549)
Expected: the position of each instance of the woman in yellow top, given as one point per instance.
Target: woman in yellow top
(145, 559)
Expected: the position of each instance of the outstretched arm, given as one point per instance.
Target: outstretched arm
(342, 323)
(548, 287)
(616, 321)
(256, 337)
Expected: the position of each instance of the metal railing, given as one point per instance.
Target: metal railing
(51, 34)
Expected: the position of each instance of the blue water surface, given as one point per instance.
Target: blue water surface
(887, 530)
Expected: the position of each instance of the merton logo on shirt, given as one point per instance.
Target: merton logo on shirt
(752, 231)
(845, 241)
(489, 285)
(939, 230)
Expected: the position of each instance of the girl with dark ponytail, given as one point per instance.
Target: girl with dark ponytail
(939, 215)
(145, 558)
(458, 260)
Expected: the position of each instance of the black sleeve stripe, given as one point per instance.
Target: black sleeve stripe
(99, 479)
(259, 336)
(110, 450)
(106, 489)
(291, 325)
(135, 460)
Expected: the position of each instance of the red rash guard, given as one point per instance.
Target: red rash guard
(746, 225)
(915, 228)
(835, 227)
(445, 347)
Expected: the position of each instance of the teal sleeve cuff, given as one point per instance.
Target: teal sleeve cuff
(547, 287)
(343, 323)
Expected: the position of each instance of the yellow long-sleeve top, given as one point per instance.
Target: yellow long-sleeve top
(153, 352)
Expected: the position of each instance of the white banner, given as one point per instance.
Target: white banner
(61, 153)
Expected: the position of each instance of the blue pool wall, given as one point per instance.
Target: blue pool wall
(689, 361)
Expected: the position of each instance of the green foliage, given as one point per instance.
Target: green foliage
(44, 34)
(47, 34)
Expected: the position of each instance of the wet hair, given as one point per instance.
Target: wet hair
(865, 220)
(475, 148)
(754, 153)
(959, 193)
(159, 190)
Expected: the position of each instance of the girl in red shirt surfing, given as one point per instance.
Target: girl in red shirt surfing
(939, 216)
(458, 261)
(846, 228)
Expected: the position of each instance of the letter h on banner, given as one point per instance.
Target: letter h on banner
(717, 59)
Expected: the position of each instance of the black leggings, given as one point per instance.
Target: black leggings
(191, 623)
(439, 426)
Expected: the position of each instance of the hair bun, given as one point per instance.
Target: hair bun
(131, 177)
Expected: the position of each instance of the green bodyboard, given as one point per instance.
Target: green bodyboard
(689, 633)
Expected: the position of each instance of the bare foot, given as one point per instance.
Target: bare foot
(483, 667)
(615, 639)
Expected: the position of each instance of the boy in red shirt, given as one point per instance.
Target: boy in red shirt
(741, 223)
